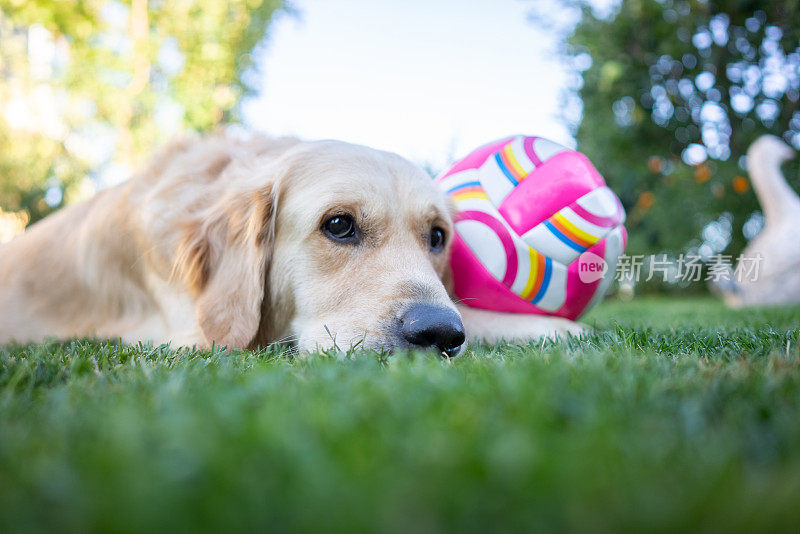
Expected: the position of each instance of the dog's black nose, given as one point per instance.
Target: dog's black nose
(433, 326)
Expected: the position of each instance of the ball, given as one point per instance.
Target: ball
(537, 228)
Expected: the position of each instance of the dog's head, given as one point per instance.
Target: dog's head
(330, 244)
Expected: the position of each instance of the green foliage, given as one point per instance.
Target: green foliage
(659, 421)
(671, 75)
(29, 165)
(97, 84)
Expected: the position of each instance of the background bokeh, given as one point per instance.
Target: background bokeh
(663, 95)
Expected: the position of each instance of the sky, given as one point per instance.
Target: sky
(430, 80)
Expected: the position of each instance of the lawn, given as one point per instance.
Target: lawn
(672, 415)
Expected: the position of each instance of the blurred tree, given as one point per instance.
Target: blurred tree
(90, 86)
(672, 93)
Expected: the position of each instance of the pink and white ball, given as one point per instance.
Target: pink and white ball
(537, 229)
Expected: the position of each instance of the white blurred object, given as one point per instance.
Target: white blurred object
(778, 243)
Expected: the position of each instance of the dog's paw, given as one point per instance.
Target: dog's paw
(573, 328)
(491, 326)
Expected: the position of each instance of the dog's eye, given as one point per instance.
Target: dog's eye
(340, 228)
(437, 239)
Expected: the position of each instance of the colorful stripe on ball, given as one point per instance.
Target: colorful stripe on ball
(468, 190)
(535, 276)
(569, 234)
(548, 271)
(505, 170)
(465, 185)
(512, 164)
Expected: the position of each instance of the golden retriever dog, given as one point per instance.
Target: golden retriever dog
(243, 242)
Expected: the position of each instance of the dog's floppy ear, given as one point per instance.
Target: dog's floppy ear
(223, 260)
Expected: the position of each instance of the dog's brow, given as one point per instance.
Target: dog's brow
(436, 215)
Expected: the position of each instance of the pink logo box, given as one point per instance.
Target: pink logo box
(531, 215)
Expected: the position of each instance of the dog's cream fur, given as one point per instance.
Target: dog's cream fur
(218, 240)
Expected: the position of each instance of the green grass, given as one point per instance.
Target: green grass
(673, 415)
